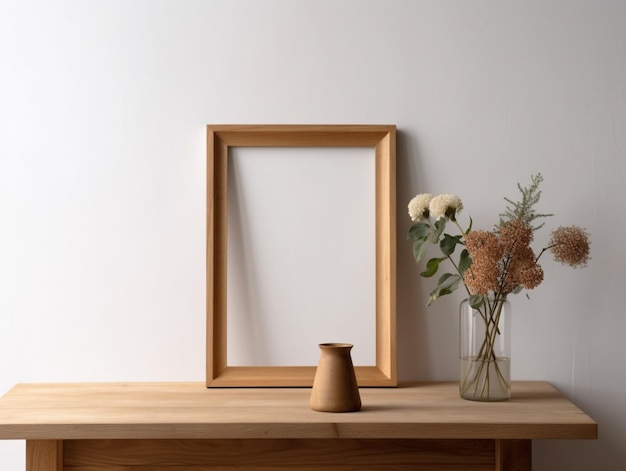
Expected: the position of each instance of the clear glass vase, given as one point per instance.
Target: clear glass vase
(485, 350)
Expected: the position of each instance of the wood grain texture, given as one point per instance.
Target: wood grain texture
(280, 454)
(44, 455)
(300, 135)
(220, 138)
(513, 455)
(191, 411)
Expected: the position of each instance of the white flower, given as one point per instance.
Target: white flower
(445, 206)
(418, 206)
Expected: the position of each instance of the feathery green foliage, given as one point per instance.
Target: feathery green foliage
(523, 210)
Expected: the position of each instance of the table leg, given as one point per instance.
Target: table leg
(44, 455)
(513, 455)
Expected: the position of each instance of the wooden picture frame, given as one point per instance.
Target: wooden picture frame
(220, 138)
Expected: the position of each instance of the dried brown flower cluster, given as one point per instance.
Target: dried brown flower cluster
(491, 264)
(502, 261)
(570, 245)
(485, 251)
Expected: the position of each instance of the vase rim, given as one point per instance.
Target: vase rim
(335, 345)
(504, 297)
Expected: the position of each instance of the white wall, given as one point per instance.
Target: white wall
(102, 173)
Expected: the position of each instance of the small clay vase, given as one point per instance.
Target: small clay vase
(334, 387)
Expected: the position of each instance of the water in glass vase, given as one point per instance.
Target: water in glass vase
(485, 380)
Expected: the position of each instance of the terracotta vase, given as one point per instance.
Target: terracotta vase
(335, 388)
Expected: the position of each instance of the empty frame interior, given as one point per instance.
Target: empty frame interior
(289, 221)
(291, 165)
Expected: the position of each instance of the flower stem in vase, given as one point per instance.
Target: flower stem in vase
(485, 346)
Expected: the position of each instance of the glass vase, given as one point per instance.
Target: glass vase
(485, 350)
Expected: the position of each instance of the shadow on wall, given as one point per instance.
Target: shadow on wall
(607, 453)
(413, 348)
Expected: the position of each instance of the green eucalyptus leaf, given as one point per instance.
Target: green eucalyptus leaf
(421, 230)
(448, 243)
(448, 282)
(470, 225)
(440, 225)
(476, 301)
(419, 249)
(465, 261)
(431, 267)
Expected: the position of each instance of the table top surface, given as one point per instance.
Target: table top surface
(63, 411)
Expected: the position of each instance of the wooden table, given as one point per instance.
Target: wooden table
(186, 427)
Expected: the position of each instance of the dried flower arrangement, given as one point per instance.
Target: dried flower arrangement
(491, 264)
